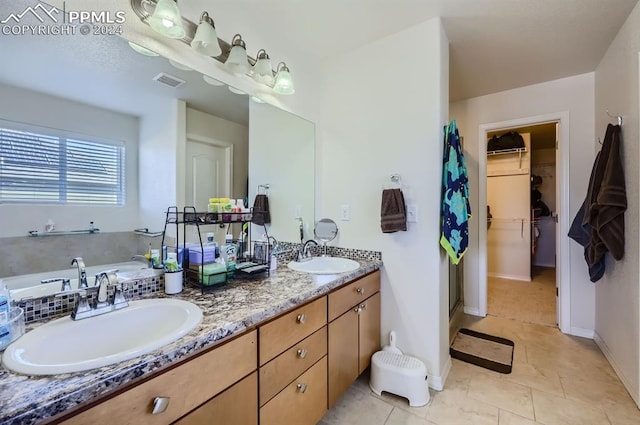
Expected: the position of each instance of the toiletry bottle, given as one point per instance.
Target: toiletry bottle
(5, 307)
(229, 253)
(212, 242)
(273, 264)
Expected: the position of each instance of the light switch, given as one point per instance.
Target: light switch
(344, 212)
(412, 213)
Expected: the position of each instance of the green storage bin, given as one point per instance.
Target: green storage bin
(212, 274)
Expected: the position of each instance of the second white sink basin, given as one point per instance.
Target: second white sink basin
(64, 345)
(325, 265)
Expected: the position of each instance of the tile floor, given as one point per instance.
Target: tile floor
(556, 380)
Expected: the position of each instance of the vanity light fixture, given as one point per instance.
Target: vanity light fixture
(261, 70)
(236, 91)
(205, 40)
(142, 50)
(237, 62)
(284, 82)
(212, 81)
(166, 19)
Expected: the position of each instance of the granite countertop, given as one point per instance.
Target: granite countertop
(228, 310)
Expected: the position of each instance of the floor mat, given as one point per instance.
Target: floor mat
(488, 351)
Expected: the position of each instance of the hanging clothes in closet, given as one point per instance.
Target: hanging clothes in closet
(599, 224)
(455, 208)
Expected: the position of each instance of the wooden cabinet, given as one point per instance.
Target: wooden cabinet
(354, 333)
(184, 387)
(302, 402)
(293, 366)
(290, 328)
(237, 405)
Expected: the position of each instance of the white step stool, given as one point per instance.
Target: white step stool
(401, 375)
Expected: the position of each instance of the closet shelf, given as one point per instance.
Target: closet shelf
(507, 151)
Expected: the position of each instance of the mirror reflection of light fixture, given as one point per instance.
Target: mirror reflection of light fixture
(166, 19)
(261, 71)
(142, 50)
(206, 39)
(236, 91)
(284, 82)
(212, 81)
(237, 62)
(180, 66)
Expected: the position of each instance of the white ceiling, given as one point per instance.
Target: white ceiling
(494, 45)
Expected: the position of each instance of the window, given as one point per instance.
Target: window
(43, 166)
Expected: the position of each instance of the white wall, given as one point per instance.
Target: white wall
(212, 127)
(389, 120)
(617, 321)
(159, 159)
(286, 161)
(574, 95)
(30, 107)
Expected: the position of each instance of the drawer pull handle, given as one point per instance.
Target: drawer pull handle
(301, 318)
(301, 353)
(301, 388)
(360, 291)
(357, 310)
(363, 306)
(160, 404)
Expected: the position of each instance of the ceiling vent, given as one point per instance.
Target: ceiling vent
(169, 80)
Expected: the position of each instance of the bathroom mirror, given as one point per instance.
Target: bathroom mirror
(104, 71)
(326, 230)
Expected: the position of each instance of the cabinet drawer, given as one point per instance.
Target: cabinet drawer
(283, 332)
(349, 296)
(237, 405)
(187, 386)
(303, 402)
(280, 371)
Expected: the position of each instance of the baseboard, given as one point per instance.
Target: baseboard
(584, 333)
(510, 276)
(437, 382)
(635, 394)
(472, 311)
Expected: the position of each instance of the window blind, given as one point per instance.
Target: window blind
(48, 168)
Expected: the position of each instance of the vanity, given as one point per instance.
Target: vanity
(274, 350)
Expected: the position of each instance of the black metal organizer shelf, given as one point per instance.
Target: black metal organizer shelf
(246, 265)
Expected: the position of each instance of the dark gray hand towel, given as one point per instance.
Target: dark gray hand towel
(261, 213)
(393, 216)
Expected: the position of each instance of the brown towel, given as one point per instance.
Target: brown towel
(607, 201)
(261, 213)
(393, 217)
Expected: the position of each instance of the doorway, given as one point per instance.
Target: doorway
(208, 170)
(521, 223)
(524, 225)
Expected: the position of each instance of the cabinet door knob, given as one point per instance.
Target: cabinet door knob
(360, 291)
(356, 310)
(160, 404)
(363, 306)
(301, 388)
(301, 353)
(301, 318)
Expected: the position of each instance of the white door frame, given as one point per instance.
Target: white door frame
(562, 191)
(227, 146)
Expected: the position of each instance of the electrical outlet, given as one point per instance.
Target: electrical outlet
(412, 213)
(344, 212)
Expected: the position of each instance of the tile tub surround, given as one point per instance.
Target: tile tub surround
(232, 309)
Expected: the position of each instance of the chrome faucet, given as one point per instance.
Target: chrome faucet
(83, 309)
(82, 275)
(304, 253)
(66, 284)
(143, 259)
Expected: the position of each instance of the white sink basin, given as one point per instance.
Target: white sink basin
(64, 345)
(325, 265)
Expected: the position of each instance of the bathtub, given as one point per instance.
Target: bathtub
(29, 286)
